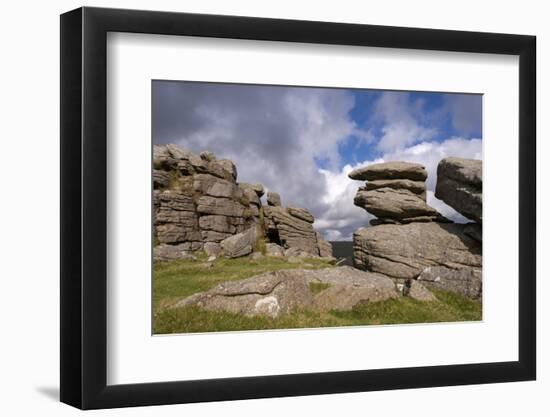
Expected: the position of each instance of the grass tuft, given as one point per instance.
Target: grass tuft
(317, 287)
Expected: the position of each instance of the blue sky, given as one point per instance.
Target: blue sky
(302, 142)
(432, 110)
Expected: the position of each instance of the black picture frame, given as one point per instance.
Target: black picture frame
(84, 207)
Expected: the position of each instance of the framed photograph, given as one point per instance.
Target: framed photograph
(257, 208)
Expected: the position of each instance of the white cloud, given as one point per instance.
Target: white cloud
(400, 128)
(342, 217)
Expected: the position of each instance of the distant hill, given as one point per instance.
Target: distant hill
(342, 249)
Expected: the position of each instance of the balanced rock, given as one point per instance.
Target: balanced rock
(401, 205)
(404, 251)
(416, 187)
(281, 292)
(390, 170)
(273, 199)
(395, 193)
(459, 184)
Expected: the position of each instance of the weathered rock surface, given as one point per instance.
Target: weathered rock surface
(256, 187)
(222, 224)
(229, 167)
(390, 170)
(161, 179)
(256, 256)
(197, 201)
(172, 252)
(274, 250)
(273, 199)
(349, 287)
(196, 198)
(251, 195)
(240, 244)
(401, 205)
(403, 252)
(221, 206)
(281, 292)
(415, 187)
(459, 184)
(176, 220)
(475, 231)
(212, 249)
(325, 248)
(213, 186)
(290, 231)
(465, 281)
(417, 291)
(301, 214)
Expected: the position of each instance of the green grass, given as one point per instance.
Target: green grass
(317, 287)
(178, 279)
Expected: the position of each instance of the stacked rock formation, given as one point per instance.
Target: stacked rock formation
(395, 193)
(460, 185)
(421, 245)
(199, 205)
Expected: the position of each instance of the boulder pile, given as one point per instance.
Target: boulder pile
(199, 205)
(411, 241)
(395, 193)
